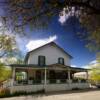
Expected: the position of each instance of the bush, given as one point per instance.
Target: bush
(4, 93)
(75, 80)
(76, 88)
(27, 93)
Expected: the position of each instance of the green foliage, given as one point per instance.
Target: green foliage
(8, 45)
(4, 93)
(37, 14)
(20, 61)
(95, 70)
(95, 75)
(5, 72)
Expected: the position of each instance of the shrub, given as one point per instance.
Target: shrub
(75, 80)
(76, 88)
(4, 93)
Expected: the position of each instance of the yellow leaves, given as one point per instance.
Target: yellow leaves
(4, 72)
(96, 35)
(93, 39)
(95, 71)
(7, 44)
(95, 74)
(98, 57)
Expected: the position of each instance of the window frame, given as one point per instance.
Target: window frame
(39, 61)
(61, 62)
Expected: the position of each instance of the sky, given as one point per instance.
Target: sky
(63, 34)
(62, 30)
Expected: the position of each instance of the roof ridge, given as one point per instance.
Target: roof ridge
(41, 46)
(27, 55)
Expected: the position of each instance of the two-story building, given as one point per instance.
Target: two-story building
(46, 68)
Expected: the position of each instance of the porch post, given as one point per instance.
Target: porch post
(68, 75)
(12, 80)
(87, 76)
(13, 76)
(45, 77)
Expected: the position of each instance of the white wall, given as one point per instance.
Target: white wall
(51, 52)
(57, 87)
(49, 87)
(27, 88)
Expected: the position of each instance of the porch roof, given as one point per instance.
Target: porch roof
(52, 66)
(26, 66)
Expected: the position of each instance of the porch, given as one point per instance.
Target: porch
(54, 77)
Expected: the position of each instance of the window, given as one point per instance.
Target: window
(19, 76)
(61, 61)
(41, 60)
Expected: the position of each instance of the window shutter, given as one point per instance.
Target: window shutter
(61, 61)
(58, 60)
(41, 60)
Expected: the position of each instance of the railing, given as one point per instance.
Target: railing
(58, 81)
(6, 84)
(48, 81)
(79, 80)
(75, 81)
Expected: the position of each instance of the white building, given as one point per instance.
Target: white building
(46, 68)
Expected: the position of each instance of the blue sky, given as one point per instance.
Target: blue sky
(65, 36)
(63, 31)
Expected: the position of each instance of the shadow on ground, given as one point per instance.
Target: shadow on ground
(71, 91)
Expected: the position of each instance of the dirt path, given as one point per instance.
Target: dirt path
(86, 95)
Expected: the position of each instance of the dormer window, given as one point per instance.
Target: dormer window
(61, 60)
(41, 60)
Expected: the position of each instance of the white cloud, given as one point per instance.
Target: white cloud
(65, 14)
(33, 44)
(73, 66)
(85, 66)
(91, 64)
(63, 17)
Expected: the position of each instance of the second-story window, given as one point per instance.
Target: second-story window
(41, 60)
(61, 61)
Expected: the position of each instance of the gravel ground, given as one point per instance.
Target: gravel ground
(74, 95)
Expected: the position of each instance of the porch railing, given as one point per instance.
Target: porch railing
(49, 81)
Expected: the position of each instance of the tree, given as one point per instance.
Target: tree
(5, 72)
(95, 74)
(95, 70)
(38, 13)
(8, 46)
(12, 60)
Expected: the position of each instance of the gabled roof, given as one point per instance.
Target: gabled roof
(53, 43)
